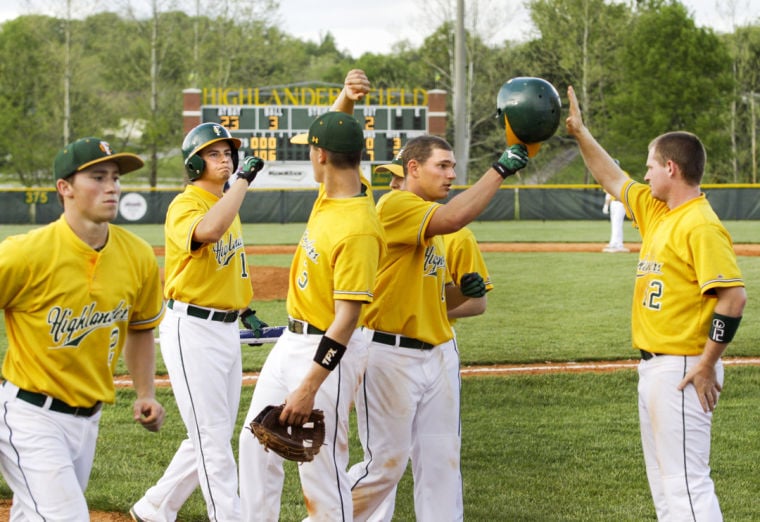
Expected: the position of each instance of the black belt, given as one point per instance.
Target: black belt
(205, 313)
(39, 399)
(400, 340)
(648, 355)
(302, 327)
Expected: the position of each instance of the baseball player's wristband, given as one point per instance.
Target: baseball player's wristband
(503, 171)
(723, 328)
(329, 353)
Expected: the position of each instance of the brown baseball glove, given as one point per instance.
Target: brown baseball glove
(297, 443)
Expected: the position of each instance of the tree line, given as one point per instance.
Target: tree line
(638, 70)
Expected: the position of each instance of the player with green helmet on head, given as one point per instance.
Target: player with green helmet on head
(207, 285)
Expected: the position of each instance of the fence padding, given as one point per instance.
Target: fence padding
(576, 202)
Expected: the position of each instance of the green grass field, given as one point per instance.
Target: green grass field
(554, 447)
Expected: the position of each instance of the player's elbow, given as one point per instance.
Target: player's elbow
(479, 306)
(208, 233)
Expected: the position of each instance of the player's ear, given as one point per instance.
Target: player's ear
(412, 168)
(64, 186)
(321, 155)
(673, 168)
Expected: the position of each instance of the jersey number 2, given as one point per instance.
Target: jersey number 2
(653, 295)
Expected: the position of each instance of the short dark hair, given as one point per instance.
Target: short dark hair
(685, 150)
(344, 160)
(421, 148)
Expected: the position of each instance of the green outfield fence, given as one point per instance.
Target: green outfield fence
(512, 202)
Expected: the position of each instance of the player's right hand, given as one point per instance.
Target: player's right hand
(512, 160)
(356, 84)
(574, 120)
(251, 166)
(150, 413)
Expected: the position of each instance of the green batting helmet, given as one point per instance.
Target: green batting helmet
(201, 137)
(530, 110)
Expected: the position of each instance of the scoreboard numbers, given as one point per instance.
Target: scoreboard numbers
(265, 130)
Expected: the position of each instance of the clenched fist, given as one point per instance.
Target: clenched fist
(251, 166)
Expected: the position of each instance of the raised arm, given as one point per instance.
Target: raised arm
(355, 87)
(601, 165)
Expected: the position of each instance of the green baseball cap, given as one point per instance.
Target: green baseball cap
(86, 152)
(395, 167)
(333, 131)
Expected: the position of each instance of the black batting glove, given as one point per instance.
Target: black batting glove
(250, 167)
(512, 160)
(472, 285)
(252, 322)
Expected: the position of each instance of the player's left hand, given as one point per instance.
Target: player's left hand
(472, 285)
(250, 167)
(705, 382)
(150, 413)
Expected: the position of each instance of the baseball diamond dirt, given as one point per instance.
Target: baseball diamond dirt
(271, 283)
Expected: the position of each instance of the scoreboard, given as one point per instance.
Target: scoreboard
(265, 130)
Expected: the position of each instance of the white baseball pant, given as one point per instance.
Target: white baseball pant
(203, 359)
(408, 406)
(324, 480)
(46, 458)
(675, 436)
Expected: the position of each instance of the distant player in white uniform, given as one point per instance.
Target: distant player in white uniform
(411, 386)
(319, 360)
(207, 285)
(614, 208)
(463, 257)
(687, 304)
(75, 294)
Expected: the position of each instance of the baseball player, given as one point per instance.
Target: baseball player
(207, 284)
(318, 362)
(616, 210)
(410, 404)
(688, 300)
(75, 293)
(463, 257)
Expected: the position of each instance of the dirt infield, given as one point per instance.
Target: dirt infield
(272, 282)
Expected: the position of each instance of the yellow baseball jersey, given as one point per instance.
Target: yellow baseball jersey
(211, 275)
(337, 258)
(463, 256)
(410, 292)
(68, 308)
(686, 253)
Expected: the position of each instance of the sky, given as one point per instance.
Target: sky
(361, 26)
